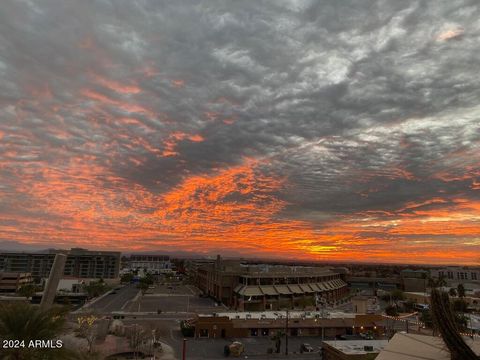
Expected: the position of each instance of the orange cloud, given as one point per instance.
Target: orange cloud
(233, 208)
(451, 34)
(125, 106)
(170, 144)
(178, 83)
(116, 86)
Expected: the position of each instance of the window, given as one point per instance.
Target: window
(264, 332)
(203, 333)
(253, 332)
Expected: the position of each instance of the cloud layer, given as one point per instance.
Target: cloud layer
(294, 128)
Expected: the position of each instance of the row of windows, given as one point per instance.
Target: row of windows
(460, 275)
(285, 280)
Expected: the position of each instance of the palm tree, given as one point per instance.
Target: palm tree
(24, 322)
(277, 339)
(445, 321)
(437, 283)
(143, 286)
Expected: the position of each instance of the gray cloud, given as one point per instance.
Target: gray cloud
(362, 106)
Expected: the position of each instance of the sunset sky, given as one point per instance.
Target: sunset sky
(299, 129)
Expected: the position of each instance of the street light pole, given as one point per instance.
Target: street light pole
(286, 335)
(153, 347)
(184, 348)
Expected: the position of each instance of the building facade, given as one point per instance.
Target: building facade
(152, 263)
(457, 274)
(80, 263)
(352, 349)
(270, 287)
(299, 323)
(11, 282)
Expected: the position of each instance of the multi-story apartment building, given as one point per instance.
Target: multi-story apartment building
(457, 274)
(81, 263)
(152, 263)
(269, 287)
(11, 282)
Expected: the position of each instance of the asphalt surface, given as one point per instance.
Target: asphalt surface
(256, 348)
(178, 303)
(168, 331)
(115, 301)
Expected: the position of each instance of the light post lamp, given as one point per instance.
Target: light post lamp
(154, 343)
(286, 334)
(184, 352)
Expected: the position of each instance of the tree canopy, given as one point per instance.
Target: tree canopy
(22, 321)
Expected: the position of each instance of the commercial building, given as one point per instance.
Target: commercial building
(412, 346)
(372, 284)
(270, 287)
(365, 304)
(455, 275)
(11, 282)
(299, 323)
(155, 264)
(414, 280)
(352, 349)
(80, 263)
(192, 266)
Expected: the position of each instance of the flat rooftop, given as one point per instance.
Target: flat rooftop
(357, 347)
(261, 315)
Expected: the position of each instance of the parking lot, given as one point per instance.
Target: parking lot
(174, 288)
(175, 298)
(254, 347)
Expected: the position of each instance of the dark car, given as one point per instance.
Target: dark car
(306, 348)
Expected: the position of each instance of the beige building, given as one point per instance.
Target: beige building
(412, 347)
(11, 282)
(352, 349)
(270, 287)
(299, 323)
(80, 263)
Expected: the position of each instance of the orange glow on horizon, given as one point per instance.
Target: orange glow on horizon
(235, 209)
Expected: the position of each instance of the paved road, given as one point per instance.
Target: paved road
(115, 302)
(255, 348)
(168, 331)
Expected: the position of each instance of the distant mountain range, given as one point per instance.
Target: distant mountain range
(12, 246)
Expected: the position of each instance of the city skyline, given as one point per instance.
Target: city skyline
(269, 129)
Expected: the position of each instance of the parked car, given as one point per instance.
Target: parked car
(236, 349)
(306, 348)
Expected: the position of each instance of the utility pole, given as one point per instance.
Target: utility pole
(154, 343)
(286, 335)
(184, 349)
